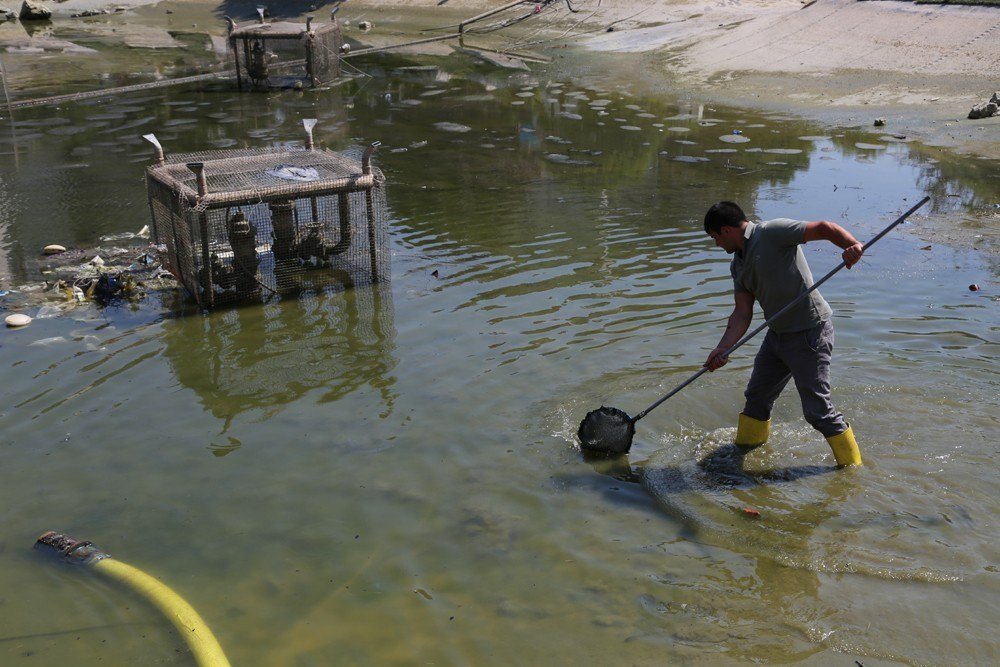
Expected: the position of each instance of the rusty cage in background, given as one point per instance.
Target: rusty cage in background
(240, 226)
(285, 54)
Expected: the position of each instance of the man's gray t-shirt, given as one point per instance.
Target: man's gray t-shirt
(771, 266)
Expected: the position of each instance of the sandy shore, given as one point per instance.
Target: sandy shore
(921, 67)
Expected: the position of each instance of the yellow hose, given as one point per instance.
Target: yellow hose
(188, 622)
(203, 644)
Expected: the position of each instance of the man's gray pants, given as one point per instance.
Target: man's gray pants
(804, 356)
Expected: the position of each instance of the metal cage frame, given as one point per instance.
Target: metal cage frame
(315, 48)
(229, 225)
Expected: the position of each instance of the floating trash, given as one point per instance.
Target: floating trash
(47, 312)
(734, 139)
(452, 127)
(17, 320)
(53, 249)
(559, 158)
(557, 140)
(433, 92)
(47, 342)
(418, 144)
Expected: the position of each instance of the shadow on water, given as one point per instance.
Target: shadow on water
(791, 516)
(723, 467)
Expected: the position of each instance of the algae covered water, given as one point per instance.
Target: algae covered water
(389, 475)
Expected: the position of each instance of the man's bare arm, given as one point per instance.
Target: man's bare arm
(837, 235)
(739, 322)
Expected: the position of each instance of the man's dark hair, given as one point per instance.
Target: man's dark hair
(723, 214)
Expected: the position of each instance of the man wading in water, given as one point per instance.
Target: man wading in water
(768, 265)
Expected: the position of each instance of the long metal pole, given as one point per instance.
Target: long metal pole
(781, 312)
(487, 14)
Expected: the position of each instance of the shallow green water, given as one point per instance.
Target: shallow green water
(391, 477)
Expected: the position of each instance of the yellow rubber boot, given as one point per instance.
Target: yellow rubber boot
(845, 448)
(751, 432)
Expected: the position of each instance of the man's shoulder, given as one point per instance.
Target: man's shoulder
(779, 223)
(781, 232)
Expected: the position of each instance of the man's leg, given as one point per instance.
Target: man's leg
(769, 377)
(808, 355)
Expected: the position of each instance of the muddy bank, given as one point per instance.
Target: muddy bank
(920, 67)
(839, 62)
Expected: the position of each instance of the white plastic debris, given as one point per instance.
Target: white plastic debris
(17, 320)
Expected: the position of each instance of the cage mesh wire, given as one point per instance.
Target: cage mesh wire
(270, 223)
(283, 53)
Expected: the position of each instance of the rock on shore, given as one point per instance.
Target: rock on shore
(32, 11)
(986, 109)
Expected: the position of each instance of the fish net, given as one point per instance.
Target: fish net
(606, 431)
(246, 225)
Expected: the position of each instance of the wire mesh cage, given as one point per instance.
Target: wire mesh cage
(285, 54)
(243, 226)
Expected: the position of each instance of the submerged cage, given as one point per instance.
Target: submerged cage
(285, 54)
(242, 226)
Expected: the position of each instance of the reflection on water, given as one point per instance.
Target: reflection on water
(263, 359)
(401, 481)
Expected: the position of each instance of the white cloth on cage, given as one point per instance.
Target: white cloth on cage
(291, 173)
